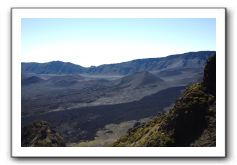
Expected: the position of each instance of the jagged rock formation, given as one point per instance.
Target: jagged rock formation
(190, 122)
(39, 134)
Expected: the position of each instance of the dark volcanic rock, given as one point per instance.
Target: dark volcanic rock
(82, 124)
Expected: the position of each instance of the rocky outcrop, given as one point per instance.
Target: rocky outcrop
(39, 134)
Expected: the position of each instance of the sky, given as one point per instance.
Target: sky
(92, 42)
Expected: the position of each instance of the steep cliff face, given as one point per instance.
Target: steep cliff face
(39, 134)
(209, 78)
(190, 122)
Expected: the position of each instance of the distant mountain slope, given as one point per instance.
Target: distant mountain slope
(186, 60)
(54, 67)
(191, 121)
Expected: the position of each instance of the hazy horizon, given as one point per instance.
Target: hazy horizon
(106, 63)
(93, 42)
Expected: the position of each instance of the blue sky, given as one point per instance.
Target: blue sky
(100, 41)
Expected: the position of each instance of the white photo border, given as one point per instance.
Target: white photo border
(116, 12)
